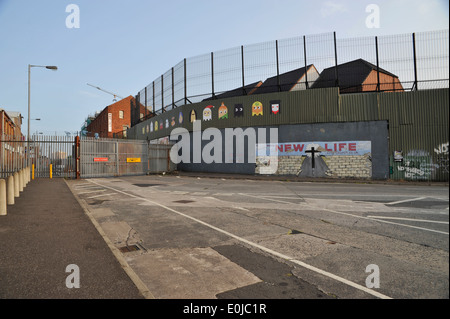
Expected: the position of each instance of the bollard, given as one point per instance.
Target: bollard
(2, 197)
(28, 174)
(51, 173)
(32, 172)
(16, 185)
(24, 177)
(21, 181)
(10, 190)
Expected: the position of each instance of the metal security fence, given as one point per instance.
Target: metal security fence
(45, 155)
(159, 158)
(402, 62)
(110, 157)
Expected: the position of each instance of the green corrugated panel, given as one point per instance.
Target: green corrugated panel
(359, 107)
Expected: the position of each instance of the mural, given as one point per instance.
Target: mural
(223, 112)
(180, 118)
(207, 113)
(257, 109)
(317, 159)
(275, 106)
(238, 110)
(193, 116)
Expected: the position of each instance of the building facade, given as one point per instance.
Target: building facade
(113, 121)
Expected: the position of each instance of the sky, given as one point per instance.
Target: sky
(122, 46)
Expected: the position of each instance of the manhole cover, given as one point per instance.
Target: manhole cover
(184, 201)
(130, 248)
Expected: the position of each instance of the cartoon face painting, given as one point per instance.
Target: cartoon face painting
(207, 113)
(238, 110)
(167, 123)
(151, 127)
(223, 112)
(257, 109)
(172, 122)
(275, 107)
(180, 118)
(156, 126)
(193, 116)
(161, 126)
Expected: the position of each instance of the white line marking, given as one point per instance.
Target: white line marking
(273, 200)
(411, 219)
(102, 195)
(363, 217)
(406, 200)
(268, 250)
(93, 191)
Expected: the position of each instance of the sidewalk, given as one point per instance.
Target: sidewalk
(44, 232)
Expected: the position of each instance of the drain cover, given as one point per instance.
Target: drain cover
(183, 201)
(130, 248)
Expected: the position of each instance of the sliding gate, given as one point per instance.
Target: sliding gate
(108, 157)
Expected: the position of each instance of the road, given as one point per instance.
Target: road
(192, 237)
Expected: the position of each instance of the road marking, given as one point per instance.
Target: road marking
(268, 250)
(273, 200)
(101, 195)
(406, 201)
(93, 191)
(362, 217)
(411, 219)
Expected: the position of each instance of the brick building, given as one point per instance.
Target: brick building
(358, 76)
(114, 120)
(10, 125)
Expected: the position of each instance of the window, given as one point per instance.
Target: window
(120, 114)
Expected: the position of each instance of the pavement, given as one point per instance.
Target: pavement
(43, 233)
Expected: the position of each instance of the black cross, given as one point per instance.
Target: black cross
(313, 153)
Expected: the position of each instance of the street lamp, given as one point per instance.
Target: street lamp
(50, 67)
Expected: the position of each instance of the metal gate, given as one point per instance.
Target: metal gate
(109, 157)
(159, 158)
(47, 156)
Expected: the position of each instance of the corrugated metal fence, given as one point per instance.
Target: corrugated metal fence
(62, 156)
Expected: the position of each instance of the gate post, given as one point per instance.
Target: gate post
(77, 157)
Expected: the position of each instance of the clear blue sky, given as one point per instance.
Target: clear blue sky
(122, 46)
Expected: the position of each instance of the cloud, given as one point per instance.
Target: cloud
(330, 8)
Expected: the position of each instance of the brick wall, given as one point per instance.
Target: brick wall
(357, 166)
(100, 124)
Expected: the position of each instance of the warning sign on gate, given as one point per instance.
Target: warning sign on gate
(133, 160)
(100, 159)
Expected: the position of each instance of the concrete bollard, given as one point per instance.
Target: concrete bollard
(24, 180)
(20, 181)
(10, 190)
(27, 175)
(2, 197)
(16, 185)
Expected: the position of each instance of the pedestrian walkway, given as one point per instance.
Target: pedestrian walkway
(44, 232)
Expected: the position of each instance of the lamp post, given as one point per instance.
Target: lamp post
(50, 67)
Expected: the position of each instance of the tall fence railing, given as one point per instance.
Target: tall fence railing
(418, 61)
(48, 155)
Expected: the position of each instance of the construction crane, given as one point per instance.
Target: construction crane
(114, 94)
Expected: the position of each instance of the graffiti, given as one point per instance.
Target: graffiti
(442, 157)
(442, 149)
(417, 165)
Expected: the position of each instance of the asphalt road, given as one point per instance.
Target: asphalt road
(196, 238)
